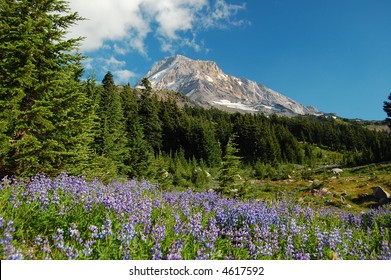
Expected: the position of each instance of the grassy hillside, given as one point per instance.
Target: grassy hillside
(319, 187)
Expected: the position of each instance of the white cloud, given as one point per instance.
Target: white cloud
(87, 62)
(220, 15)
(123, 76)
(112, 62)
(125, 24)
(102, 65)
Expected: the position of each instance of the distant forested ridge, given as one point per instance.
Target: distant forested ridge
(132, 128)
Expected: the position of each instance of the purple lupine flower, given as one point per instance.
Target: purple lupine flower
(335, 239)
(242, 237)
(175, 251)
(127, 233)
(8, 237)
(283, 231)
(74, 233)
(144, 212)
(14, 200)
(301, 256)
(158, 234)
(9, 251)
(157, 252)
(2, 221)
(178, 224)
(294, 229)
(385, 253)
(274, 241)
(46, 248)
(56, 198)
(201, 254)
(4, 183)
(159, 231)
(290, 249)
(304, 236)
(358, 246)
(38, 240)
(184, 204)
(71, 253)
(253, 250)
(211, 233)
(30, 253)
(87, 249)
(261, 243)
(320, 242)
(195, 226)
(353, 220)
(94, 232)
(59, 239)
(348, 235)
(15, 254)
(10, 226)
(105, 229)
(88, 203)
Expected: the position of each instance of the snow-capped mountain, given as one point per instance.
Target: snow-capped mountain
(206, 84)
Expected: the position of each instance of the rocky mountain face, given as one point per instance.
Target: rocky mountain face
(206, 84)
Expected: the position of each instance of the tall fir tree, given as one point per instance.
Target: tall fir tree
(94, 93)
(171, 119)
(140, 152)
(204, 143)
(229, 177)
(45, 116)
(115, 143)
(149, 117)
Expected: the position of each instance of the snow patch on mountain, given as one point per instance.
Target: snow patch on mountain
(232, 105)
(209, 78)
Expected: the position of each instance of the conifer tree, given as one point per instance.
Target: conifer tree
(170, 117)
(94, 93)
(230, 170)
(387, 109)
(115, 144)
(204, 142)
(140, 152)
(149, 117)
(44, 114)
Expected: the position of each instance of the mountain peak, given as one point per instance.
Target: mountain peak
(205, 83)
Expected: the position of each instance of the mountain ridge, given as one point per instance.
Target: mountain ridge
(205, 83)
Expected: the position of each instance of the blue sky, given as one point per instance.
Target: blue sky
(334, 55)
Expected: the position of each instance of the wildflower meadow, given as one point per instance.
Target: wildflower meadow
(71, 218)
